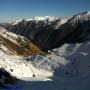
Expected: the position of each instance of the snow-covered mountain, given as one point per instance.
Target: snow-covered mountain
(51, 34)
(36, 18)
(44, 18)
(66, 65)
(85, 16)
(11, 43)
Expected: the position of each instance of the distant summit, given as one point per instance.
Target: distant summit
(44, 18)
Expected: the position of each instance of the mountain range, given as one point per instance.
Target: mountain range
(48, 34)
(52, 52)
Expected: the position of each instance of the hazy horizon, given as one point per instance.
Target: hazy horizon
(11, 10)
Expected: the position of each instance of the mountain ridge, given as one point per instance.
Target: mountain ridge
(50, 34)
(43, 34)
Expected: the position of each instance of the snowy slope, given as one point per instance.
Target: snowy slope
(69, 69)
(77, 55)
(70, 65)
(66, 70)
(20, 67)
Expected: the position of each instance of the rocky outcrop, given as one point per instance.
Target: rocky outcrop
(6, 78)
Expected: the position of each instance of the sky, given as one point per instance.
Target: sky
(11, 10)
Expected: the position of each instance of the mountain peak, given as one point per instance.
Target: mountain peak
(44, 18)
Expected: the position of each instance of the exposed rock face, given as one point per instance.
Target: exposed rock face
(6, 78)
(53, 34)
